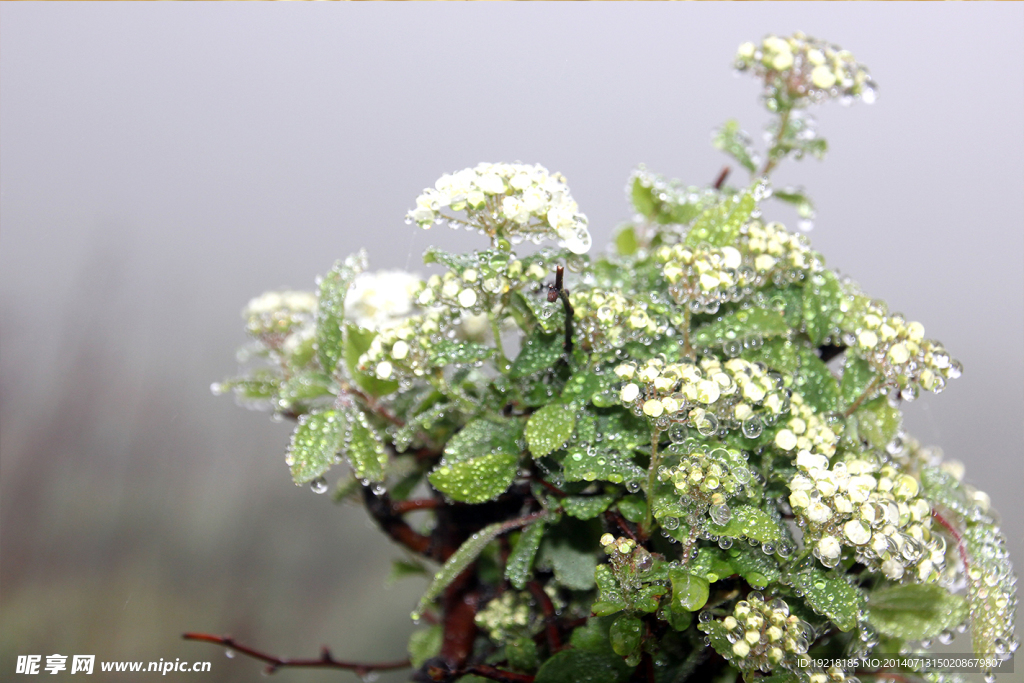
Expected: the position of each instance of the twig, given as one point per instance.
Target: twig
(616, 518)
(869, 391)
(550, 618)
(373, 404)
(720, 180)
(770, 162)
(382, 510)
(325, 661)
(956, 535)
(405, 506)
(556, 292)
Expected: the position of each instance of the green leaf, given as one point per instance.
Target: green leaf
(476, 480)
(822, 302)
(424, 644)
(364, 447)
(777, 354)
(879, 422)
(467, 553)
(314, 445)
(550, 318)
(549, 428)
(307, 386)
(573, 565)
(718, 634)
(579, 465)
(609, 594)
(731, 140)
(915, 611)
(689, 591)
(401, 569)
(713, 564)
(593, 636)
(522, 654)
(816, 383)
(831, 596)
(582, 666)
(582, 386)
(720, 225)
(756, 568)
(625, 634)
(357, 341)
(446, 352)
(484, 435)
(539, 352)
(587, 507)
(633, 508)
(519, 567)
(857, 377)
(748, 521)
(330, 316)
(798, 198)
(625, 240)
(739, 325)
(643, 200)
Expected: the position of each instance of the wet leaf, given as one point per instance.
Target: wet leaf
(689, 591)
(587, 507)
(330, 316)
(915, 611)
(364, 447)
(720, 225)
(754, 566)
(315, 444)
(831, 596)
(742, 324)
(625, 240)
(816, 382)
(540, 352)
(357, 341)
(625, 633)
(519, 567)
(857, 377)
(476, 480)
(549, 428)
(601, 466)
(879, 422)
(731, 140)
(748, 521)
(424, 644)
(484, 435)
(583, 666)
(609, 594)
(822, 301)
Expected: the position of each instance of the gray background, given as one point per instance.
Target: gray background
(162, 163)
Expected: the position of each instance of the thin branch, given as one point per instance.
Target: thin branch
(402, 507)
(550, 618)
(956, 536)
(770, 162)
(556, 292)
(652, 478)
(325, 661)
(869, 392)
(720, 180)
(616, 518)
(391, 523)
(373, 404)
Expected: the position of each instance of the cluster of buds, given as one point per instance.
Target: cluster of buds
(898, 350)
(480, 280)
(807, 431)
(377, 300)
(275, 315)
(404, 349)
(775, 252)
(606, 319)
(876, 511)
(705, 482)
(706, 277)
(628, 560)
(798, 69)
(513, 201)
(764, 635)
(506, 616)
(706, 395)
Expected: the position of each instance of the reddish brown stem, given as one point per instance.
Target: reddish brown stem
(381, 509)
(402, 507)
(325, 661)
(615, 518)
(550, 618)
(720, 180)
(956, 536)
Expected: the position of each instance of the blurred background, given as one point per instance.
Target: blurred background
(163, 163)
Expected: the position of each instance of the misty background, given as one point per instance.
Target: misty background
(161, 164)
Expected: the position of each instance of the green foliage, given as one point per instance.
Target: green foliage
(693, 466)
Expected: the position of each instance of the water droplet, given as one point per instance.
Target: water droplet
(318, 485)
(230, 654)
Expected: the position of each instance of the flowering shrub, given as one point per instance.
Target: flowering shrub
(678, 460)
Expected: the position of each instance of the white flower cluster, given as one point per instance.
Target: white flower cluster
(279, 313)
(479, 284)
(506, 616)
(800, 67)
(379, 300)
(514, 201)
(898, 350)
(775, 252)
(605, 319)
(806, 431)
(874, 510)
(705, 277)
(405, 348)
(764, 635)
(706, 481)
(705, 395)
